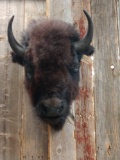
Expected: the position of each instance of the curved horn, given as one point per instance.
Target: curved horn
(84, 43)
(17, 48)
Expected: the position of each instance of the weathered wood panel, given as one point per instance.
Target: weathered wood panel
(28, 123)
(10, 118)
(2, 81)
(61, 144)
(34, 131)
(22, 136)
(107, 79)
(85, 127)
(60, 10)
(84, 120)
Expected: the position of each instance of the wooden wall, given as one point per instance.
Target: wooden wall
(94, 134)
(107, 78)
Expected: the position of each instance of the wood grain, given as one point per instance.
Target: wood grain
(21, 134)
(59, 10)
(34, 131)
(84, 115)
(10, 118)
(62, 144)
(107, 79)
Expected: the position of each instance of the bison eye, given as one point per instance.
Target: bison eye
(75, 68)
(29, 72)
(29, 76)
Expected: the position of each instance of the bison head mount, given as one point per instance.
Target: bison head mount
(51, 51)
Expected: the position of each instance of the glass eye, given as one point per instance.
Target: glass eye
(29, 72)
(76, 68)
(29, 76)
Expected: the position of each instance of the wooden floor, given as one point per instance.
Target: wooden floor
(94, 134)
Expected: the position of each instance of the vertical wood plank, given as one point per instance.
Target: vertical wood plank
(59, 10)
(84, 119)
(10, 110)
(107, 79)
(34, 10)
(34, 131)
(62, 144)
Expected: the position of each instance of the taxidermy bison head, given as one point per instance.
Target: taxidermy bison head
(51, 52)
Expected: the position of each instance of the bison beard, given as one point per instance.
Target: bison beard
(51, 52)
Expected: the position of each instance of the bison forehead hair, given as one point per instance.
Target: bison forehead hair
(49, 42)
(51, 51)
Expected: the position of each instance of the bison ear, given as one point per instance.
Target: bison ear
(89, 51)
(17, 59)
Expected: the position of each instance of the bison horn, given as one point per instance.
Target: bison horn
(17, 48)
(84, 43)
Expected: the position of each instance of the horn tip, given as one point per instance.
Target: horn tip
(11, 19)
(85, 12)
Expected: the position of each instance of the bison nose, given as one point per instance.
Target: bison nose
(52, 107)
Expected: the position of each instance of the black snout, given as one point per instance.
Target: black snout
(52, 107)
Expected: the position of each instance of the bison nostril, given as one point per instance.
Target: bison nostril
(60, 109)
(44, 109)
(52, 110)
